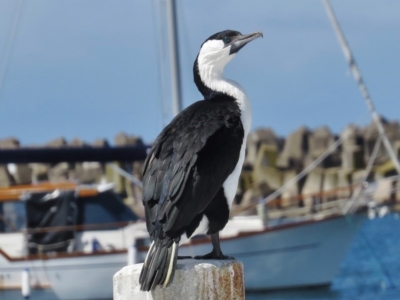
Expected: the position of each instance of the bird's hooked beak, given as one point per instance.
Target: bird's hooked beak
(240, 41)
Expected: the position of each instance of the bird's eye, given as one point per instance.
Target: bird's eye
(226, 40)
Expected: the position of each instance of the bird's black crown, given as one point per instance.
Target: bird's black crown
(226, 36)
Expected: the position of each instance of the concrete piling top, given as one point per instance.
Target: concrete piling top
(193, 280)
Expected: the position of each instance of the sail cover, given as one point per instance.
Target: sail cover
(46, 210)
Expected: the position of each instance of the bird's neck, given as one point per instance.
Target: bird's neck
(211, 83)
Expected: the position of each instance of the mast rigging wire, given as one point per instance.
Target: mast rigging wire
(159, 18)
(10, 43)
(360, 82)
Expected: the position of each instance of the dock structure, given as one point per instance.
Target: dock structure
(193, 279)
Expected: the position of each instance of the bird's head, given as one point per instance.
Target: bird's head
(216, 52)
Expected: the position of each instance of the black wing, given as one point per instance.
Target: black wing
(189, 162)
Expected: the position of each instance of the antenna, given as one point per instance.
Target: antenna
(361, 85)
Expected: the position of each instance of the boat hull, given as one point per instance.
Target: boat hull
(70, 277)
(87, 277)
(295, 256)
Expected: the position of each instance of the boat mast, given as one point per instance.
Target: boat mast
(361, 85)
(174, 57)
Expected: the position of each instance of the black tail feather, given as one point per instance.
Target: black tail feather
(159, 266)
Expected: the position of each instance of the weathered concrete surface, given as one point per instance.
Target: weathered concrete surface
(194, 280)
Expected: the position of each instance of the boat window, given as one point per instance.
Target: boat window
(12, 216)
(106, 207)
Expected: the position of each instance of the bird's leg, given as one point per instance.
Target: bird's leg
(216, 253)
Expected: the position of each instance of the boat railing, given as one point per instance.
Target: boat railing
(14, 193)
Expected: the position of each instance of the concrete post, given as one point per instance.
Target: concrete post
(193, 280)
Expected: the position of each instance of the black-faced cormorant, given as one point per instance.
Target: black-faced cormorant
(192, 171)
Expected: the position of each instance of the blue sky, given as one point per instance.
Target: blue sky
(91, 69)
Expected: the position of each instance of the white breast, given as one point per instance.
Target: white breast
(231, 183)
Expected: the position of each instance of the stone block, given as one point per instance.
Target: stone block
(123, 139)
(86, 172)
(260, 136)
(77, 142)
(9, 143)
(59, 172)
(5, 177)
(100, 143)
(295, 149)
(312, 188)
(57, 143)
(39, 172)
(320, 140)
(344, 187)
(330, 184)
(23, 174)
(291, 191)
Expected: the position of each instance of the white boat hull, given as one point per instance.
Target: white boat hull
(295, 256)
(289, 256)
(83, 277)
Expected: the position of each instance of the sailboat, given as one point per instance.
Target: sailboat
(77, 237)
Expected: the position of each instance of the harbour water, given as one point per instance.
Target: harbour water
(371, 270)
